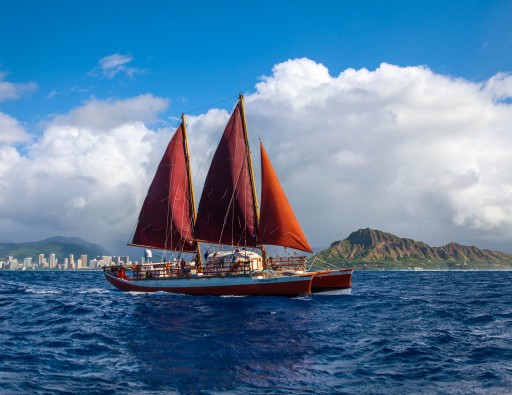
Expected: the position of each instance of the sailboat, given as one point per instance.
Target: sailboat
(228, 215)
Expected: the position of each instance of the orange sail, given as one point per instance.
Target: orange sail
(166, 218)
(278, 224)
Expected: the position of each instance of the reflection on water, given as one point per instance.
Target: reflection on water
(221, 343)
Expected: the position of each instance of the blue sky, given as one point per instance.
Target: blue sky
(402, 98)
(199, 52)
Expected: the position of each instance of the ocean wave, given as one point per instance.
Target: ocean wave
(43, 291)
(94, 291)
(421, 332)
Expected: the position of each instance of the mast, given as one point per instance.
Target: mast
(249, 160)
(251, 173)
(189, 174)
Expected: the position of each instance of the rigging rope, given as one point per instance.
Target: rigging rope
(210, 105)
(214, 137)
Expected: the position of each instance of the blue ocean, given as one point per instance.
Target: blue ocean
(394, 333)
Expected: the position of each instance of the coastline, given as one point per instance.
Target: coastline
(423, 266)
(354, 267)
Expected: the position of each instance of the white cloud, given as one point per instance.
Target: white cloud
(115, 64)
(86, 176)
(12, 90)
(106, 114)
(11, 131)
(401, 149)
(67, 91)
(500, 86)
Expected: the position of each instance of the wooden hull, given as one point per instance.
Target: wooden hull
(331, 279)
(240, 285)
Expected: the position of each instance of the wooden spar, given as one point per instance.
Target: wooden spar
(249, 160)
(191, 186)
(251, 173)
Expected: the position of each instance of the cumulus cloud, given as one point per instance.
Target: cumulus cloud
(401, 149)
(11, 131)
(12, 90)
(500, 86)
(86, 175)
(106, 114)
(115, 64)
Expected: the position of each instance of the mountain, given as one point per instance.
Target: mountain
(370, 248)
(62, 247)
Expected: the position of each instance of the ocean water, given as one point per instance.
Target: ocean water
(395, 333)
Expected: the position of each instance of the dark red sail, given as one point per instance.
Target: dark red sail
(226, 213)
(278, 224)
(166, 219)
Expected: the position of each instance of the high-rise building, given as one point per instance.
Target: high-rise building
(83, 257)
(66, 264)
(72, 261)
(41, 260)
(121, 260)
(53, 261)
(27, 262)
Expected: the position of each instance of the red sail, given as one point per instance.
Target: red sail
(165, 220)
(278, 224)
(226, 209)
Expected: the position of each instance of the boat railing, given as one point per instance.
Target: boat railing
(287, 263)
(172, 270)
(318, 263)
(220, 268)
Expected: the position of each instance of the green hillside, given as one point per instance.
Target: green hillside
(62, 247)
(369, 249)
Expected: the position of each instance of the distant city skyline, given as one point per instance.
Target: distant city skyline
(52, 263)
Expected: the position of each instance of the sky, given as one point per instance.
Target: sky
(394, 115)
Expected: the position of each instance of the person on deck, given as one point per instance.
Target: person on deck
(121, 274)
(234, 261)
(185, 269)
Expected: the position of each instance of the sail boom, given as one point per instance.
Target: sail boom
(259, 246)
(162, 249)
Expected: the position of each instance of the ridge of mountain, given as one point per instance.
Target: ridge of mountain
(370, 248)
(62, 247)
